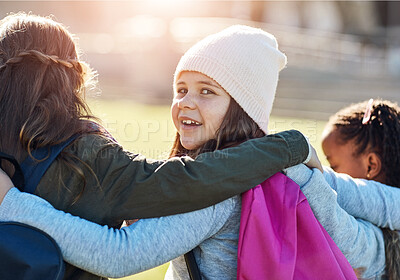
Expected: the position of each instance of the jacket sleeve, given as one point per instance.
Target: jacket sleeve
(111, 252)
(135, 187)
(360, 241)
(366, 199)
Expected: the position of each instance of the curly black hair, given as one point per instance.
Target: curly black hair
(379, 134)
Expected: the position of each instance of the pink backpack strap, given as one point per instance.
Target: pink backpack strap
(281, 239)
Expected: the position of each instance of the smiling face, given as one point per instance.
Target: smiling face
(342, 157)
(198, 108)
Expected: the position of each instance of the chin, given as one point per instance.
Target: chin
(190, 145)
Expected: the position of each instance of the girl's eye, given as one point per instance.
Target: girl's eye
(207, 91)
(181, 91)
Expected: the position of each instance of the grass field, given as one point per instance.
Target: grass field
(147, 129)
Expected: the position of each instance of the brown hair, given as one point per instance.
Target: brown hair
(42, 86)
(380, 134)
(235, 128)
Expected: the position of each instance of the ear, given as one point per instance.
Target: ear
(374, 166)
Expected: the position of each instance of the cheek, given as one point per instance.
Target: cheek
(345, 168)
(174, 113)
(352, 166)
(356, 169)
(218, 121)
(354, 172)
(215, 117)
(222, 109)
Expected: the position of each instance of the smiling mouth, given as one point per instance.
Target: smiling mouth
(191, 123)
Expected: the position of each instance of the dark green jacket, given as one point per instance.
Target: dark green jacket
(129, 186)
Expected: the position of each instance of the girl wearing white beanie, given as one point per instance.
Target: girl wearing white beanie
(242, 64)
(224, 87)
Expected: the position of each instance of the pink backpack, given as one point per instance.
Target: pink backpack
(281, 239)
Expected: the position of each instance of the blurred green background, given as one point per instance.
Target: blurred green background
(148, 129)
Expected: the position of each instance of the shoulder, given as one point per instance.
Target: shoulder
(95, 140)
(88, 145)
(227, 217)
(230, 207)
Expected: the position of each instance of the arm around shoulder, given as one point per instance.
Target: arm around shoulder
(142, 188)
(117, 253)
(366, 199)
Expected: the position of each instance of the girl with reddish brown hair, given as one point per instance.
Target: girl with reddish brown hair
(42, 83)
(216, 107)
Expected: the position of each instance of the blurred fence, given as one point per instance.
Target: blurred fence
(325, 72)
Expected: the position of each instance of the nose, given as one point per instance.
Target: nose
(187, 102)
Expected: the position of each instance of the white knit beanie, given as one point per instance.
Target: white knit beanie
(243, 60)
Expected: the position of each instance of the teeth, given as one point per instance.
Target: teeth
(189, 122)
